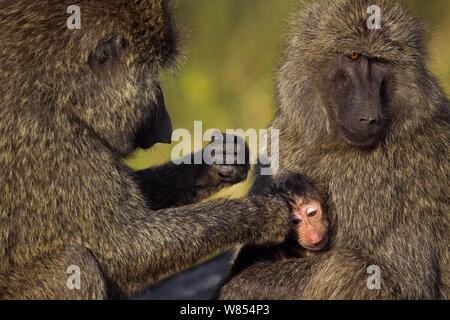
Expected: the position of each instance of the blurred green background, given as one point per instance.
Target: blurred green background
(231, 50)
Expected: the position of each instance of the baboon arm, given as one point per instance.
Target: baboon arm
(338, 274)
(269, 280)
(137, 252)
(173, 185)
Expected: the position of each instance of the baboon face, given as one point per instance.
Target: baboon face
(103, 77)
(308, 224)
(140, 78)
(123, 65)
(346, 83)
(356, 89)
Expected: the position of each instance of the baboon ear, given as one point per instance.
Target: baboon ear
(108, 50)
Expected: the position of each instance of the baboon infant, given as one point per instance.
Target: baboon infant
(309, 227)
(308, 222)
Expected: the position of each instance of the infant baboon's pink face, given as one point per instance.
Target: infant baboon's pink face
(308, 224)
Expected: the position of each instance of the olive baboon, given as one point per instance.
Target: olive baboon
(74, 102)
(360, 113)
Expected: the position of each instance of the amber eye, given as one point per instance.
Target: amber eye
(381, 60)
(354, 56)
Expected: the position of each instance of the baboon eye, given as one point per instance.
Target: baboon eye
(382, 60)
(312, 213)
(354, 56)
(108, 49)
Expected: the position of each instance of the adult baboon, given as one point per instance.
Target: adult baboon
(73, 103)
(360, 113)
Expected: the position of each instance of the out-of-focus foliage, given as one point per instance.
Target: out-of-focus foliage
(232, 48)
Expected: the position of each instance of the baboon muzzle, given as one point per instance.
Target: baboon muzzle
(157, 128)
(159, 131)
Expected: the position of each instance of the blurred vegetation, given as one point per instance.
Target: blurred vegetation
(232, 47)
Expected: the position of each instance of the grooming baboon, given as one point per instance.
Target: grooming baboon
(360, 113)
(73, 103)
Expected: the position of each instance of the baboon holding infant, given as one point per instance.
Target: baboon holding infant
(361, 115)
(73, 103)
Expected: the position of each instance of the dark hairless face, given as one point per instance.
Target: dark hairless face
(356, 86)
(158, 127)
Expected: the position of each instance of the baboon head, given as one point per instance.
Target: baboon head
(104, 76)
(348, 81)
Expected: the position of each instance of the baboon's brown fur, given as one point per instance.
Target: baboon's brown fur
(388, 206)
(68, 114)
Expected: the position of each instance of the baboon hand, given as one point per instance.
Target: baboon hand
(226, 159)
(269, 224)
(308, 222)
(282, 200)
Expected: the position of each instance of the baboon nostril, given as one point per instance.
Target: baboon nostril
(363, 120)
(295, 220)
(369, 121)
